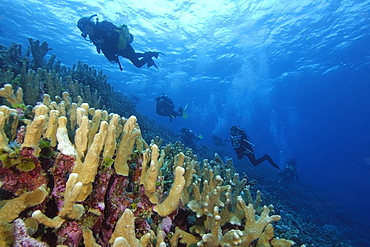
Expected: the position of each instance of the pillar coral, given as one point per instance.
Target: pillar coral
(130, 132)
(188, 175)
(3, 138)
(7, 92)
(89, 167)
(81, 138)
(102, 204)
(149, 174)
(11, 209)
(110, 143)
(70, 209)
(126, 229)
(171, 203)
(51, 131)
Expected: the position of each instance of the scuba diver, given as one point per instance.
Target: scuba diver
(189, 138)
(114, 41)
(290, 172)
(242, 146)
(166, 108)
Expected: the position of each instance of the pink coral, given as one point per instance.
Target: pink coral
(21, 134)
(117, 200)
(70, 234)
(63, 166)
(166, 224)
(21, 237)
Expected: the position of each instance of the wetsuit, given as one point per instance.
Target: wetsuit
(166, 108)
(242, 146)
(106, 38)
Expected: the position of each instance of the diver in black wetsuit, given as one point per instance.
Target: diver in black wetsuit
(242, 146)
(290, 172)
(189, 138)
(166, 108)
(114, 41)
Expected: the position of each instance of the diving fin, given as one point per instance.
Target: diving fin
(155, 54)
(184, 114)
(151, 63)
(200, 137)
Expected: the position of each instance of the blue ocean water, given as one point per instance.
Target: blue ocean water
(294, 74)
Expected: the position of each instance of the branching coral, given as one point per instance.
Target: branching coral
(119, 191)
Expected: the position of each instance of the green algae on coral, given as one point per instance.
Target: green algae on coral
(107, 162)
(13, 159)
(46, 149)
(26, 165)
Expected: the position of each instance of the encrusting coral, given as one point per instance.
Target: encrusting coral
(88, 177)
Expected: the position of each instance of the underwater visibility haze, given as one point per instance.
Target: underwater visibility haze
(294, 74)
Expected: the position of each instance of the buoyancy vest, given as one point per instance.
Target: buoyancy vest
(241, 141)
(109, 31)
(236, 141)
(124, 36)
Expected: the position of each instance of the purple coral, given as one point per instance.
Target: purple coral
(21, 133)
(166, 224)
(70, 234)
(62, 168)
(21, 237)
(118, 199)
(96, 201)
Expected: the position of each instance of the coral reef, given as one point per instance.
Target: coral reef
(38, 76)
(82, 175)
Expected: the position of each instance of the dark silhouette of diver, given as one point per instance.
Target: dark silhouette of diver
(166, 108)
(189, 138)
(242, 146)
(114, 41)
(290, 172)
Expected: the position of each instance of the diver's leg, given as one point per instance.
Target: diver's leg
(176, 113)
(253, 160)
(258, 161)
(240, 155)
(146, 58)
(150, 54)
(130, 54)
(263, 158)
